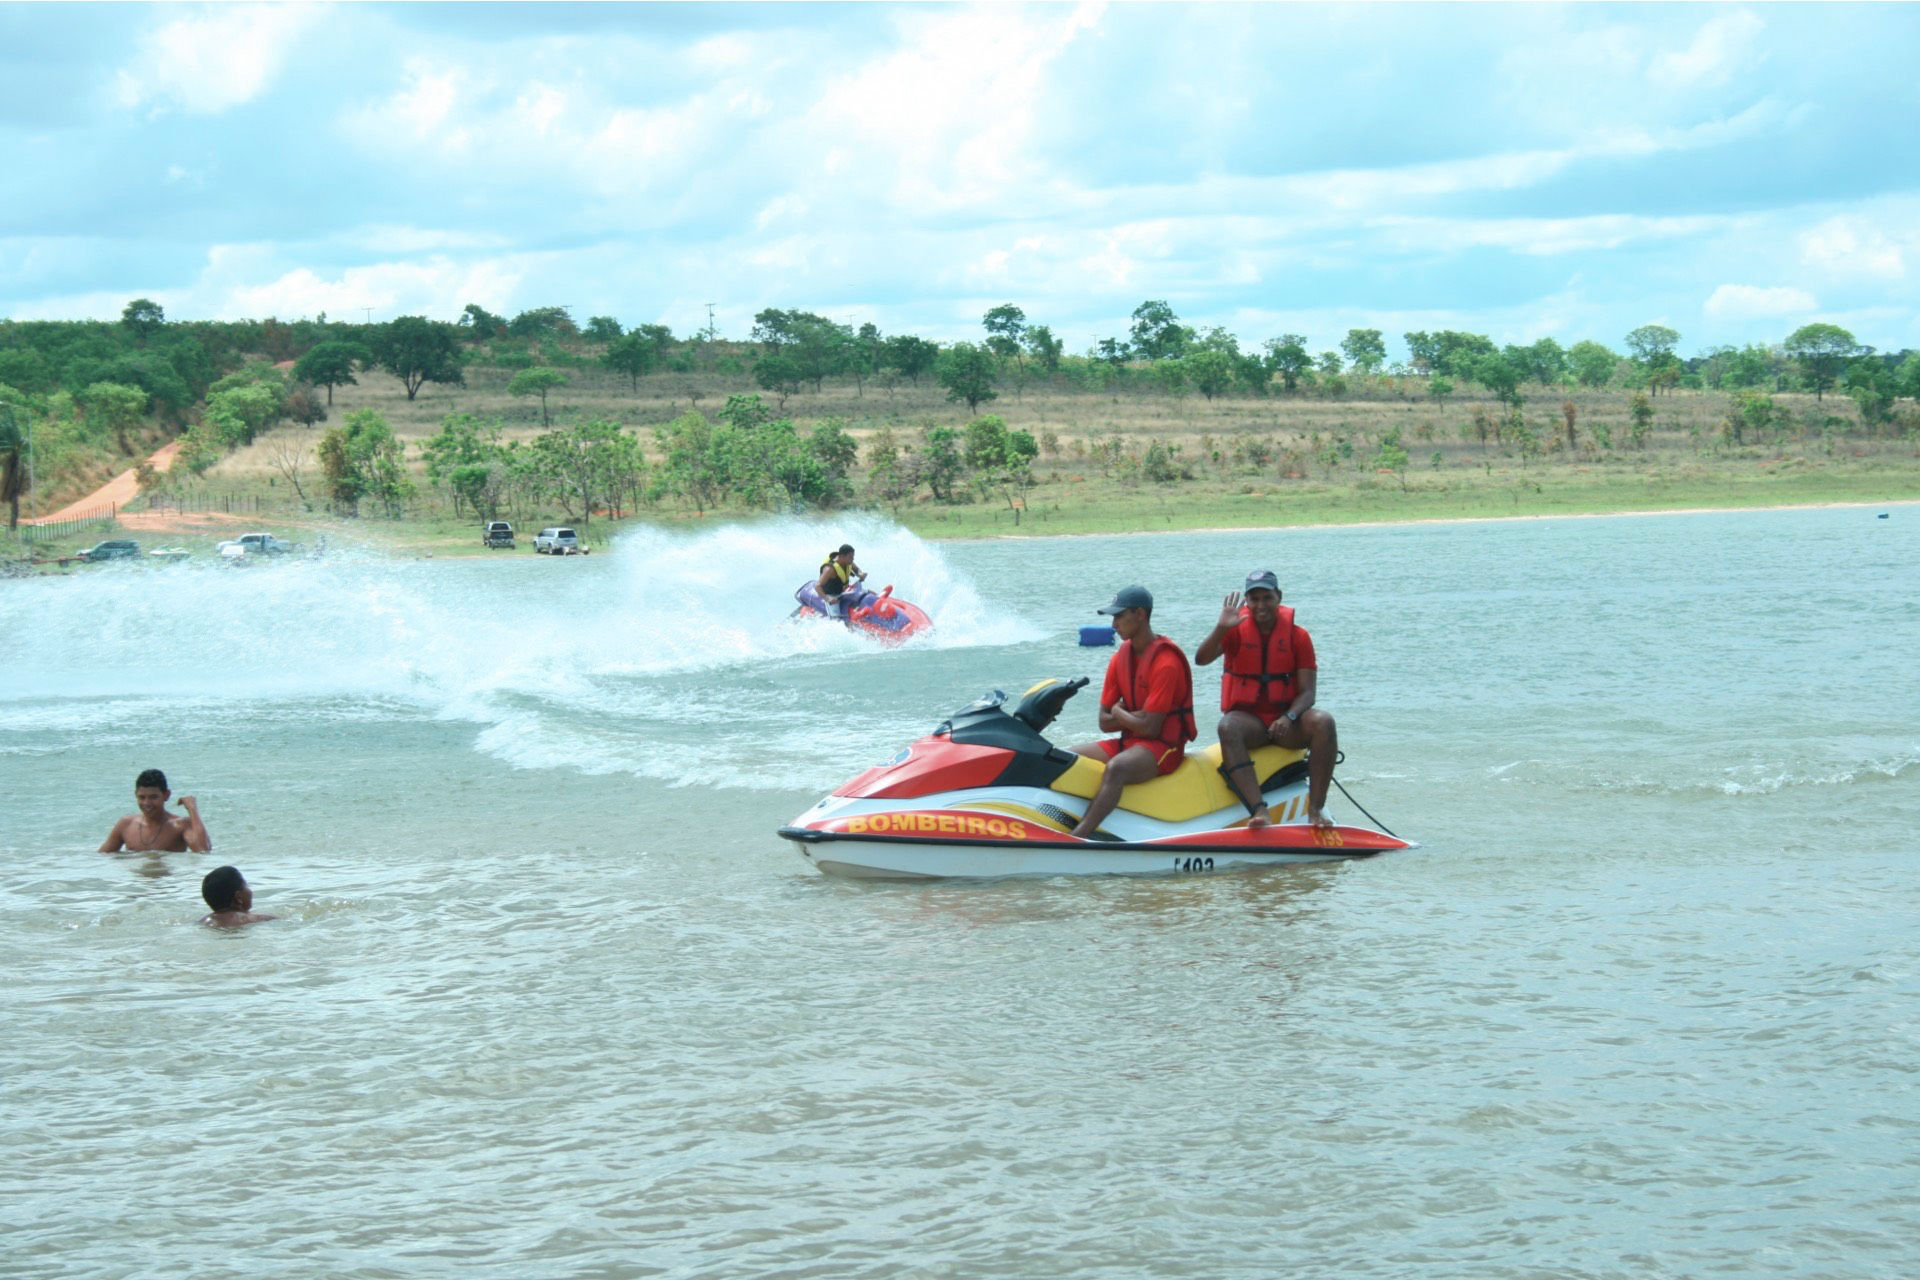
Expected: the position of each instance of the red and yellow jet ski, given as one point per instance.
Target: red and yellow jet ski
(985, 794)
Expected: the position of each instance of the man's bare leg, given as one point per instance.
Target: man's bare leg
(1135, 764)
(1240, 732)
(1316, 735)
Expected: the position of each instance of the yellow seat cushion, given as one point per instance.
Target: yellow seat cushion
(1194, 789)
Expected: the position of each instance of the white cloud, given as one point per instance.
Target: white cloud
(948, 119)
(1847, 246)
(1747, 301)
(212, 61)
(1539, 237)
(1719, 49)
(250, 280)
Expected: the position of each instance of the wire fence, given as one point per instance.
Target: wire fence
(203, 503)
(103, 520)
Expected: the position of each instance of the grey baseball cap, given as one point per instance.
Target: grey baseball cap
(1263, 578)
(1129, 598)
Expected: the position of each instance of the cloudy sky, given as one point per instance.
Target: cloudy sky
(1517, 170)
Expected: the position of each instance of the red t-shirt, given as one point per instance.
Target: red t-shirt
(1277, 697)
(1164, 686)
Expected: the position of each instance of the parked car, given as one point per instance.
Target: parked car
(496, 533)
(556, 542)
(253, 544)
(112, 549)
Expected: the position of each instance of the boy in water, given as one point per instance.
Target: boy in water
(228, 893)
(153, 829)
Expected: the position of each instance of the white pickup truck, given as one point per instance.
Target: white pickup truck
(252, 544)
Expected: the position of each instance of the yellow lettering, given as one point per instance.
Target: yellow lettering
(949, 825)
(857, 824)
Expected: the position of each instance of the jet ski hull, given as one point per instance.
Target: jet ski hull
(933, 858)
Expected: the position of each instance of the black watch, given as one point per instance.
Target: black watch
(1293, 717)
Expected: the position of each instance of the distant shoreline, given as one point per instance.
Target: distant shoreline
(1422, 520)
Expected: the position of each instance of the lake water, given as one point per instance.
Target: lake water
(547, 997)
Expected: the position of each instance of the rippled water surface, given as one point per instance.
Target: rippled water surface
(547, 997)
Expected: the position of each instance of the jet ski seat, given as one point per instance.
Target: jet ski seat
(1194, 790)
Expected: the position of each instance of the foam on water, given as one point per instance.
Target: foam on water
(569, 663)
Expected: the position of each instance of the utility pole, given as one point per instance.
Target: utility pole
(369, 314)
(710, 329)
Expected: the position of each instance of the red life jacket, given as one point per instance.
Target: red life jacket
(1179, 728)
(1261, 670)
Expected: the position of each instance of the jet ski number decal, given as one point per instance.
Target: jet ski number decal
(936, 824)
(1193, 864)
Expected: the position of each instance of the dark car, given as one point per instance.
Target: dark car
(497, 533)
(112, 549)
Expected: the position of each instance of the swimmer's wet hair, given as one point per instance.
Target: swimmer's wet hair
(221, 888)
(150, 778)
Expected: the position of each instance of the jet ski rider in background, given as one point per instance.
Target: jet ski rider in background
(1147, 700)
(838, 573)
(1267, 691)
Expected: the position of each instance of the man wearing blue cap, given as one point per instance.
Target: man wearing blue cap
(1147, 700)
(1267, 691)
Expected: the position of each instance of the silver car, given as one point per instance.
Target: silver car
(556, 542)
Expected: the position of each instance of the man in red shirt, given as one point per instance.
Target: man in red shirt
(1147, 700)
(1267, 692)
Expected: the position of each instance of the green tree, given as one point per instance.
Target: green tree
(13, 460)
(1210, 371)
(1592, 364)
(940, 464)
(1499, 376)
(687, 463)
(911, 357)
(113, 409)
(1421, 350)
(1455, 353)
(1044, 348)
(582, 466)
(1287, 356)
(1392, 456)
(1873, 385)
(1823, 352)
(633, 354)
(463, 441)
(1640, 411)
(1157, 332)
(542, 322)
(1546, 362)
(362, 460)
(537, 382)
(480, 324)
(417, 350)
(1652, 347)
(237, 414)
(143, 318)
(863, 356)
(1366, 350)
(816, 345)
(967, 372)
(779, 373)
(331, 364)
(1006, 327)
(603, 329)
